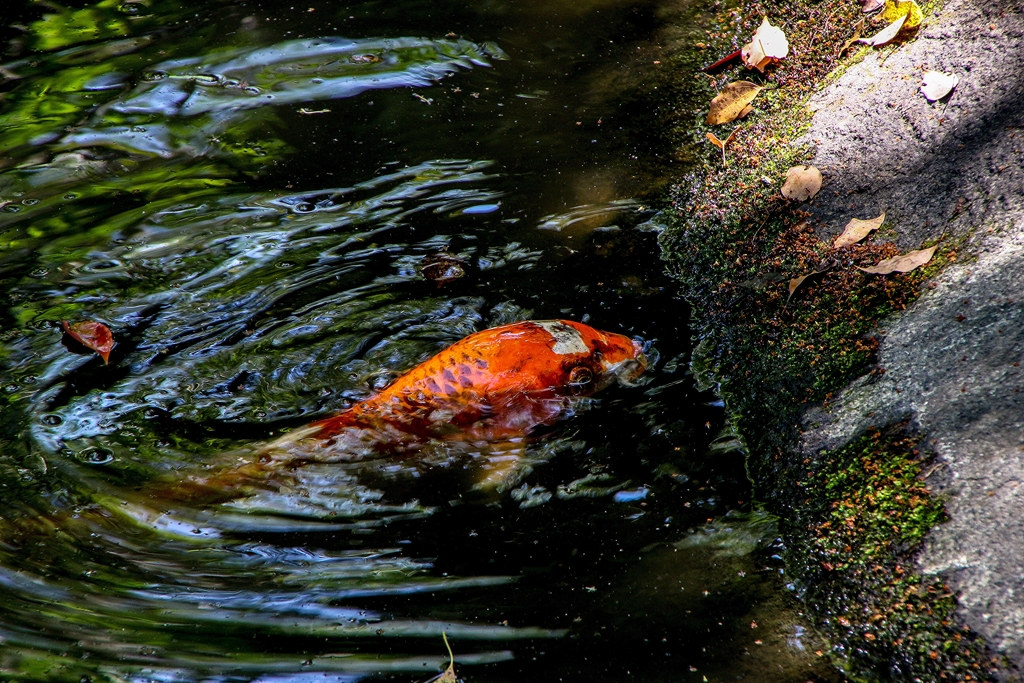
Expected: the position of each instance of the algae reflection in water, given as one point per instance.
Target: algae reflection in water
(245, 193)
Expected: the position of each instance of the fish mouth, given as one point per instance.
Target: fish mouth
(627, 372)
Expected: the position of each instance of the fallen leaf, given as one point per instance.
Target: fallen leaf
(886, 34)
(935, 85)
(768, 45)
(857, 229)
(894, 9)
(731, 102)
(720, 144)
(802, 183)
(795, 283)
(92, 335)
(442, 267)
(448, 675)
(723, 62)
(858, 31)
(902, 264)
(870, 5)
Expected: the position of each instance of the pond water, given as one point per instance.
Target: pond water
(247, 194)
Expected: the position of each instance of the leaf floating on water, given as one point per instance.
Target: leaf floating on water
(442, 268)
(448, 675)
(894, 9)
(886, 34)
(720, 144)
(902, 264)
(935, 85)
(92, 335)
(802, 183)
(858, 229)
(768, 45)
(729, 104)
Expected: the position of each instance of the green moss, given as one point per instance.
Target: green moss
(734, 244)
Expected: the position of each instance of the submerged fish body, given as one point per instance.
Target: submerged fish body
(496, 385)
(483, 395)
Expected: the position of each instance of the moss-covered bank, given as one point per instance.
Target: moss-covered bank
(852, 518)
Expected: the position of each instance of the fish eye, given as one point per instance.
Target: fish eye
(580, 375)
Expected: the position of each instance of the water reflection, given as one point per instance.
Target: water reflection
(260, 261)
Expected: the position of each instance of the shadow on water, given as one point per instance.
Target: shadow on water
(247, 195)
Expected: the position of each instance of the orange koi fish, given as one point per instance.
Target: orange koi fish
(494, 387)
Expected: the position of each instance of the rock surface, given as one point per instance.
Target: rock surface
(953, 361)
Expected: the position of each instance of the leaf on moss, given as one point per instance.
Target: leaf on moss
(768, 45)
(867, 6)
(886, 34)
(720, 144)
(802, 183)
(894, 9)
(92, 335)
(795, 283)
(857, 229)
(903, 263)
(732, 102)
(858, 31)
(935, 85)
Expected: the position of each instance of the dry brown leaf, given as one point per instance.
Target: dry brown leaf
(448, 675)
(731, 102)
(92, 335)
(795, 283)
(746, 110)
(935, 85)
(894, 9)
(768, 45)
(858, 31)
(886, 34)
(870, 5)
(857, 229)
(903, 263)
(802, 183)
(720, 144)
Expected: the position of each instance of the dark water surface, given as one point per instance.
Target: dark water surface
(246, 193)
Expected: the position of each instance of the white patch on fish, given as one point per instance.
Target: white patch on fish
(567, 339)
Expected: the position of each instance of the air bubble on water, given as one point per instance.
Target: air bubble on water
(51, 420)
(154, 75)
(29, 202)
(95, 456)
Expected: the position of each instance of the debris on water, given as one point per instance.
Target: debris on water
(442, 268)
(92, 335)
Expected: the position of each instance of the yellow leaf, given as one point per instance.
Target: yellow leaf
(886, 34)
(769, 44)
(902, 264)
(858, 229)
(894, 9)
(720, 144)
(802, 183)
(731, 102)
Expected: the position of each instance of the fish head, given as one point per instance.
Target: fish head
(590, 360)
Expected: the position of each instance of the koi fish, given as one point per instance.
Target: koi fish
(497, 386)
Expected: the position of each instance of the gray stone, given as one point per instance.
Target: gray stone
(953, 360)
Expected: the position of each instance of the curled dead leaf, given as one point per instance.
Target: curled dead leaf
(795, 283)
(935, 85)
(802, 183)
(858, 31)
(730, 104)
(442, 268)
(768, 45)
(857, 229)
(92, 335)
(448, 675)
(720, 144)
(903, 263)
(886, 34)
